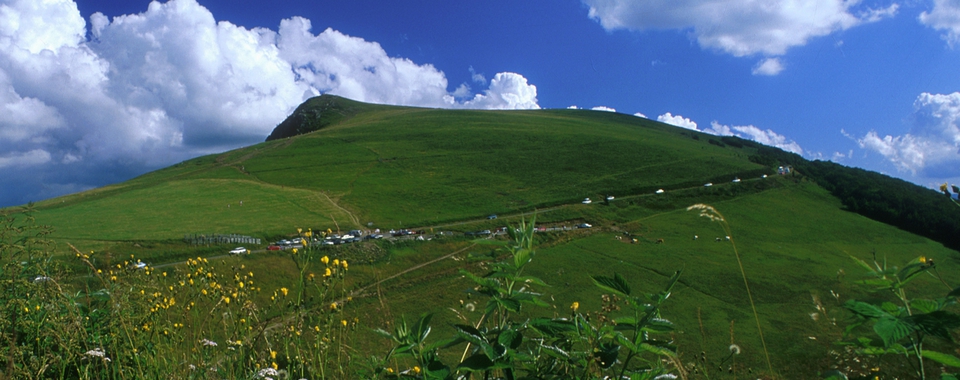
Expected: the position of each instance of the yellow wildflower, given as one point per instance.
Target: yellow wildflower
(325, 260)
(416, 369)
(327, 272)
(294, 251)
(344, 262)
(226, 300)
(333, 306)
(273, 354)
(336, 262)
(575, 306)
(284, 291)
(343, 322)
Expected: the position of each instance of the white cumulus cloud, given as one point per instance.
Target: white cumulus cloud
(677, 120)
(153, 88)
(763, 136)
(768, 67)
(739, 27)
(931, 148)
(604, 109)
(945, 16)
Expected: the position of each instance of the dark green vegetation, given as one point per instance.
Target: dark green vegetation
(879, 197)
(398, 167)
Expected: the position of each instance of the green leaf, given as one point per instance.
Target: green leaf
(476, 362)
(556, 352)
(942, 358)
(435, 369)
(865, 309)
(891, 330)
(423, 327)
(615, 284)
(510, 338)
(521, 258)
(659, 325)
(607, 353)
(471, 334)
(659, 350)
(509, 304)
(937, 323)
(552, 327)
(924, 306)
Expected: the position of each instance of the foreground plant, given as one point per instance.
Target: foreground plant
(506, 343)
(904, 326)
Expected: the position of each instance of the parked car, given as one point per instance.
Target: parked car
(586, 201)
(584, 225)
(492, 216)
(239, 251)
(274, 248)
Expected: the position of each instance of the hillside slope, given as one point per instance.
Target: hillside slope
(408, 167)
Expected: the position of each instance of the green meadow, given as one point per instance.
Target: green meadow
(442, 170)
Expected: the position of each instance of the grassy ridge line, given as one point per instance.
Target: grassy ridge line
(404, 167)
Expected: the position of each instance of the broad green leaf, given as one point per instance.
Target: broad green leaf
(663, 351)
(555, 352)
(521, 258)
(435, 369)
(509, 304)
(607, 353)
(552, 327)
(942, 358)
(891, 330)
(937, 323)
(476, 362)
(659, 325)
(510, 338)
(890, 307)
(615, 284)
(471, 334)
(865, 309)
(923, 306)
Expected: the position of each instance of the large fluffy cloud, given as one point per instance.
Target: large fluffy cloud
(944, 16)
(677, 120)
(739, 27)
(153, 88)
(932, 146)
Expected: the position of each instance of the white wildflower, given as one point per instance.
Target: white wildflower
(208, 342)
(267, 372)
(97, 353)
(735, 349)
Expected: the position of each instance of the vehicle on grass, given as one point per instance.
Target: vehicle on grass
(274, 248)
(492, 216)
(239, 251)
(584, 225)
(586, 201)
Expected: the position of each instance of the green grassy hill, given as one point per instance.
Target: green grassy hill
(369, 166)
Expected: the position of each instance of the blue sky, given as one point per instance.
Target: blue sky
(99, 91)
